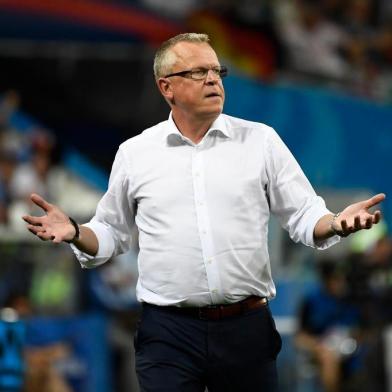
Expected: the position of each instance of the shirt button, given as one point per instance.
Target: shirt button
(200, 203)
(210, 260)
(214, 291)
(197, 174)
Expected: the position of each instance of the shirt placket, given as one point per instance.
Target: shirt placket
(204, 226)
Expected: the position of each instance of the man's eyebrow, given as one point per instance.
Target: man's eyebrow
(206, 66)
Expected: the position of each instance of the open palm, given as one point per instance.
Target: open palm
(357, 216)
(54, 225)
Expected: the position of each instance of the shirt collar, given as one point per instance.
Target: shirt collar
(219, 125)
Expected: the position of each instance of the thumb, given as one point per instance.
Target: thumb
(375, 200)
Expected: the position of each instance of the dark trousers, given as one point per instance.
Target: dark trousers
(180, 353)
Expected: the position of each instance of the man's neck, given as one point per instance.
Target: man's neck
(194, 129)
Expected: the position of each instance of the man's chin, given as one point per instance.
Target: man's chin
(213, 111)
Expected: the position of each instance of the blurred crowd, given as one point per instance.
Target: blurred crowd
(347, 41)
(345, 44)
(48, 306)
(344, 322)
(26, 159)
(31, 161)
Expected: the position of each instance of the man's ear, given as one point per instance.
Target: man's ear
(165, 88)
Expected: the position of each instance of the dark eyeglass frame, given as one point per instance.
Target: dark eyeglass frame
(220, 71)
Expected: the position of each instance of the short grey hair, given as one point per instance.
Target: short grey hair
(165, 59)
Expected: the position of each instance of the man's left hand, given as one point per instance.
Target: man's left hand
(357, 216)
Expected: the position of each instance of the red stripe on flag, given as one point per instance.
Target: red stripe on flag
(114, 17)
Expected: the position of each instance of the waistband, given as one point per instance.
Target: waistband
(216, 312)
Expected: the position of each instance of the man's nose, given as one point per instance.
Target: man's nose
(212, 77)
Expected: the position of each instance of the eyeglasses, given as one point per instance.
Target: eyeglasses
(201, 73)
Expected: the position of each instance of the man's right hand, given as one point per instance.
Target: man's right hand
(54, 226)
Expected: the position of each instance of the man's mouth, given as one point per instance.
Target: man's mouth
(212, 95)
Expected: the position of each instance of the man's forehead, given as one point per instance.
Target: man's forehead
(187, 52)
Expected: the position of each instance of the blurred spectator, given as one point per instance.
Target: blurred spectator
(327, 323)
(383, 46)
(358, 17)
(380, 55)
(379, 261)
(41, 374)
(8, 104)
(313, 43)
(29, 162)
(33, 176)
(7, 168)
(359, 23)
(113, 286)
(369, 276)
(370, 287)
(12, 336)
(36, 174)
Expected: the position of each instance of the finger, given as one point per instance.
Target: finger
(33, 220)
(35, 229)
(369, 223)
(344, 225)
(376, 217)
(40, 235)
(345, 229)
(31, 231)
(375, 200)
(357, 223)
(41, 202)
(43, 235)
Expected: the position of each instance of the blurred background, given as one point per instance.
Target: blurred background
(76, 80)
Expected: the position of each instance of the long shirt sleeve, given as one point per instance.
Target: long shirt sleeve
(199, 213)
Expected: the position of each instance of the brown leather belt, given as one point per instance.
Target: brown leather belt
(218, 312)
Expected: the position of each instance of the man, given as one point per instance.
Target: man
(199, 188)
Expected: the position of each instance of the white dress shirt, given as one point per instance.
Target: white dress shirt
(199, 212)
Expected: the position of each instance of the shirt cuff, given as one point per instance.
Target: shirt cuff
(320, 244)
(105, 246)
